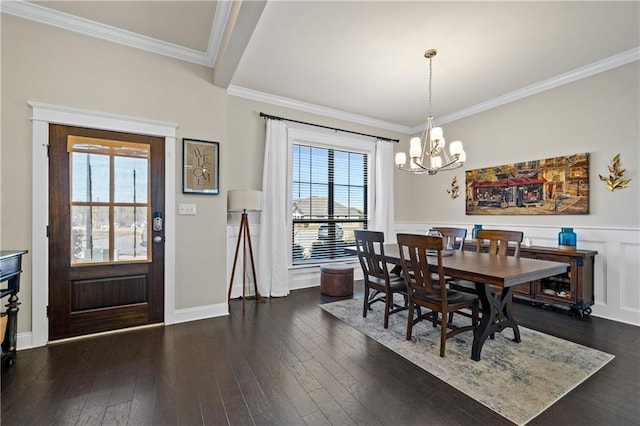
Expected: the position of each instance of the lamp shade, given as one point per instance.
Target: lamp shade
(244, 199)
(401, 158)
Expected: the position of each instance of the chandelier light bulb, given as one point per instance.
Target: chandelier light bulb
(415, 150)
(455, 147)
(401, 159)
(462, 158)
(436, 134)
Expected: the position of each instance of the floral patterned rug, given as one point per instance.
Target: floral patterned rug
(516, 380)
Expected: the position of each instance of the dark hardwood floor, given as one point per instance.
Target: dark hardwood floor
(287, 362)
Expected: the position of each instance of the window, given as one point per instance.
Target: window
(329, 194)
(109, 200)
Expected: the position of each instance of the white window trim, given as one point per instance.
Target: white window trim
(325, 138)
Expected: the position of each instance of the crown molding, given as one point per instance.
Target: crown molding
(597, 67)
(606, 64)
(84, 26)
(69, 22)
(255, 95)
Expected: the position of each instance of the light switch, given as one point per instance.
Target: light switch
(187, 209)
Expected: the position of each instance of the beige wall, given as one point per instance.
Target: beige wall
(598, 114)
(247, 136)
(44, 64)
(49, 65)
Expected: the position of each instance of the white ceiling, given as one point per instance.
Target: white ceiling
(365, 58)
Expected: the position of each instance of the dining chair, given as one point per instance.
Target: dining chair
(425, 291)
(497, 242)
(453, 236)
(379, 285)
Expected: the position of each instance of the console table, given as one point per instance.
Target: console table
(10, 269)
(572, 290)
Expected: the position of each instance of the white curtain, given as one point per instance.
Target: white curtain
(273, 273)
(383, 213)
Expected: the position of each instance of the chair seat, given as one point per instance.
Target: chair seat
(397, 284)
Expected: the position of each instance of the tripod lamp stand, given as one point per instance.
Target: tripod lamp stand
(244, 201)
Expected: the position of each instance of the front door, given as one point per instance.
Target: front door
(106, 231)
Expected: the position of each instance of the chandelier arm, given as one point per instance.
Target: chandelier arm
(453, 162)
(419, 164)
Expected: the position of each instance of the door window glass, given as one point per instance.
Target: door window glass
(109, 200)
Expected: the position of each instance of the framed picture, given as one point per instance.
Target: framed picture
(201, 167)
(550, 186)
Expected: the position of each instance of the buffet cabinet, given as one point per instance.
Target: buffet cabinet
(572, 290)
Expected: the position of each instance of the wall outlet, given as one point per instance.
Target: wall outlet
(187, 209)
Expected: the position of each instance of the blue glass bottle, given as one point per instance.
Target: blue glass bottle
(474, 231)
(567, 239)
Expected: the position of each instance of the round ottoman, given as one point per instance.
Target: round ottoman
(336, 279)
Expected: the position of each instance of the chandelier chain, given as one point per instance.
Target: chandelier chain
(430, 77)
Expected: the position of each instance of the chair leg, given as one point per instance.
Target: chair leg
(387, 308)
(409, 320)
(366, 301)
(443, 333)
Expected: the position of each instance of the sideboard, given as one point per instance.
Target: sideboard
(572, 290)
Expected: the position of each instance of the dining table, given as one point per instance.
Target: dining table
(487, 270)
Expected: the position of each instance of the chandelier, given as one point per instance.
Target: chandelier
(427, 153)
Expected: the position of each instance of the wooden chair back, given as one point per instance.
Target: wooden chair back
(499, 241)
(453, 236)
(370, 247)
(416, 264)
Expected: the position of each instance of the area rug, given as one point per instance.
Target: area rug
(516, 380)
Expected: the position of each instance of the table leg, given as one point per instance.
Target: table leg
(495, 318)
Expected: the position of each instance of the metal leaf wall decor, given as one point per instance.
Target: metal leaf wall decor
(615, 179)
(454, 192)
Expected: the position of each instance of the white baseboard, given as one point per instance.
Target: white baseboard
(201, 312)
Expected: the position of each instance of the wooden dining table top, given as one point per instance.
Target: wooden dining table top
(502, 271)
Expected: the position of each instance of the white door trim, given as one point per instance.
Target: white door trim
(45, 114)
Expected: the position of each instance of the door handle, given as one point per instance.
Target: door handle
(157, 222)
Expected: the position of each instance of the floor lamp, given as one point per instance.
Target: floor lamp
(244, 201)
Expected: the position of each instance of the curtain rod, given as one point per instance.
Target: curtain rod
(274, 117)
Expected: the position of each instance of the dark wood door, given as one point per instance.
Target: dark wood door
(106, 251)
